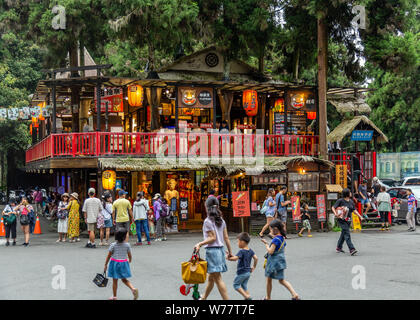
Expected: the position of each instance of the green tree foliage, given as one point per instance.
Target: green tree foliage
(158, 25)
(392, 47)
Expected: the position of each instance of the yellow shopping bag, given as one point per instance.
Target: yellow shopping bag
(195, 270)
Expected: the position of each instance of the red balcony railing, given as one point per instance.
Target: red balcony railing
(95, 144)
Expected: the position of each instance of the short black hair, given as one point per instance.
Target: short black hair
(346, 193)
(212, 191)
(283, 188)
(244, 236)
(121, 234)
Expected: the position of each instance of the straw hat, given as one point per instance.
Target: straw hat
(65, 195)
(75, 195)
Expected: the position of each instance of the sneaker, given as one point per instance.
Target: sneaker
(93, 246)
(339, 250)
(300, 235)
(164, 239)
(58, 240)
(136, 294)
(148, 242)
(158, 239)
(353, 252)
(7, 243)
(382, 229)
(26, 244)
(106, 244)
(77, 240)
(88, 245)
(139, 243)
(249, 298)
(14, 243)
(309, 236)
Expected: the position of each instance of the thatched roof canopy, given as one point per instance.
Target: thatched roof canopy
(271, 164)
(349, 103)
(346, 127)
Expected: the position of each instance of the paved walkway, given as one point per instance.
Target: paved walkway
(316, 271)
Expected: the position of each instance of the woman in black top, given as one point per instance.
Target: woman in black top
(343, 215)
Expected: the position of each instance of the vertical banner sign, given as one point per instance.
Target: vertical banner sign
(320, 208)
(183, 213)
(173, 206)
(341, 175)
(240, 204)
(296, 209)
(356, 222)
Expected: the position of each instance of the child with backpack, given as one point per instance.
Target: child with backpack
(119, 267)
(276, 261)
(244, 257)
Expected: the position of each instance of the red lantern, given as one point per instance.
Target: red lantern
(311, 115)
(250, 102)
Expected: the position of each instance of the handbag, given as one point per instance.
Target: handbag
(9, 219)
(264, 207)
(266, 255)
(100, 280)
(194, 271)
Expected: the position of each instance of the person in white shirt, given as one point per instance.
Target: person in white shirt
(92, 207)
(107, 215)
(384, 207)
(140, 211)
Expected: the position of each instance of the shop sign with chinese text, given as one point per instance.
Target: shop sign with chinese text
(341, 175)
(362, 135)
(296, 209)
(240, 204)
(183, 213)
(114, 97)
(191, 97)
(320, 208)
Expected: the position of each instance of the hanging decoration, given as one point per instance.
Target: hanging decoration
(109, 178)
(35, 123)
(311, 115)
(279, 105)
(250, 102)
(135, 95)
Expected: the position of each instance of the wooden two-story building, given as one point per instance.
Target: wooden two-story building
(169, 126)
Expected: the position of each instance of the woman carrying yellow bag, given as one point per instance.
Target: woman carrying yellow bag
(215, 237)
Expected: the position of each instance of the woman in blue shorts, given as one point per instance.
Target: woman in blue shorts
(215, 237)
(270, 212)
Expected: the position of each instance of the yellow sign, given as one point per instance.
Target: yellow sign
(356, 222)
(341, 175)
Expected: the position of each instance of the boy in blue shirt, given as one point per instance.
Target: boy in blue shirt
(244, 257)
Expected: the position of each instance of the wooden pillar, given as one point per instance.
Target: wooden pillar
(54, 111)
(98, 106)
(214, 108)
(322, 84)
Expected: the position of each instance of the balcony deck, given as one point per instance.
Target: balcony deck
(137, 144)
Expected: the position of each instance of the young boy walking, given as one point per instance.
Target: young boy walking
(244, 257)
(305, 221)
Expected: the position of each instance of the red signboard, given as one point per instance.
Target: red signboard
(296, 209)
(114, 97)
(320, 208)
(240, 204)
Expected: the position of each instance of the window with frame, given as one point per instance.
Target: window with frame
(306, 182)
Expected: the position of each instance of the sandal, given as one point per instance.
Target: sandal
(296, 298)
(112, 298)
(58, 240)
(136, 294)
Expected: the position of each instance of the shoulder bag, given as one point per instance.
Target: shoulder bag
(194, 271)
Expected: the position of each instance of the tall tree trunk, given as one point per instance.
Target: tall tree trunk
(296, 66)
(261, 60)
(2, 169)
(322, 84)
